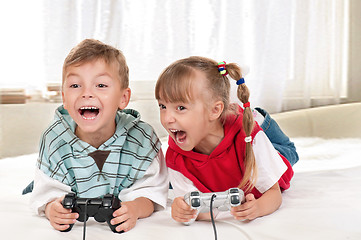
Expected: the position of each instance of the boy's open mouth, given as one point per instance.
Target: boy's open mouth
(89, 112)
(179, 135)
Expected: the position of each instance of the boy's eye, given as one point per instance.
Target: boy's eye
(161, 106)
(101, 85)
(74, 85)
(180, 108)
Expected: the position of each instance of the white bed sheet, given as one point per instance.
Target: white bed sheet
(324, 202)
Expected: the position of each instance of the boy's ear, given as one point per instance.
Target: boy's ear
(216, 110)
(124, 98)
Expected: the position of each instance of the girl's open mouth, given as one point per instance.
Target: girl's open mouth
(179, 135)
(89, 112)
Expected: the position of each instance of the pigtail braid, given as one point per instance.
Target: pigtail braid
(250, 175)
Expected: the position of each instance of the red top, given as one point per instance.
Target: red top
(224, 167)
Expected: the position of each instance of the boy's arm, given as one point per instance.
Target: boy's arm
(144, 196)
(153, 185)
(46, 189)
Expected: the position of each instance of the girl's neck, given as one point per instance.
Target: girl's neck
(212, 140)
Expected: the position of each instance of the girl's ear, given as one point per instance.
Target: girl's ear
(125, 98)
(216, 110)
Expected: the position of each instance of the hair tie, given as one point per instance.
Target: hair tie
(248, 139)
(240, 81)
(246, 105)
(222, 68)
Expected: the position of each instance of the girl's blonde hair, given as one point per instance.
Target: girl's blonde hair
(175, 85)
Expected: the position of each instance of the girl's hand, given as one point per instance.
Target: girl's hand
(247, 210)
(269, 202)
(129, 213)
(181, 211)
(59, 217)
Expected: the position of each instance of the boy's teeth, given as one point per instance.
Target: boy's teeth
(90, 118)
(83, 108)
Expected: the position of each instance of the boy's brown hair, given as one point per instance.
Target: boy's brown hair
(91, 49)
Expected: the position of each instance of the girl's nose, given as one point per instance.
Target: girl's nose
(168, 117)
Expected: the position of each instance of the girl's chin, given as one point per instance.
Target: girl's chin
(184, 147)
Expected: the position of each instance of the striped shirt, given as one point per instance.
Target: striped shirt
(124, 157)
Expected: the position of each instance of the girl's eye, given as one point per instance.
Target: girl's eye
(180, 108)
(101, 85)
(161, 106)
(74, 85)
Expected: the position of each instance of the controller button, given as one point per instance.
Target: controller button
(234, 190)
(194, 194)
(234, 200)
(196, 202)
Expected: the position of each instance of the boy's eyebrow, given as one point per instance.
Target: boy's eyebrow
(71, 74)
(98, 75)
(103, 74)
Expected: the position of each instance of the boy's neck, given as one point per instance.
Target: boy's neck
(95, 139)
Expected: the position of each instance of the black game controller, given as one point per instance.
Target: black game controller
(100, 208)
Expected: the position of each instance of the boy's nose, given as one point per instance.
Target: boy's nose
(87, 93)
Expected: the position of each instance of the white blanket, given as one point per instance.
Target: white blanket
(324, 202)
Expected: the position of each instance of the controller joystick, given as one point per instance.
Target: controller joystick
(223, 201)
(100, 208)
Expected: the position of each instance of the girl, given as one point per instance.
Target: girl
(215, 145)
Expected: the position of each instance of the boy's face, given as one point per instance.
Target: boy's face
(92, 94)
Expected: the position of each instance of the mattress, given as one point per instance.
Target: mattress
(323, 202)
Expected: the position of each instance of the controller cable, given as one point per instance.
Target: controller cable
(212, 218)
(85, 217)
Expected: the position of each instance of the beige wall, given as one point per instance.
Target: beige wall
(355, 52)
(21, 126)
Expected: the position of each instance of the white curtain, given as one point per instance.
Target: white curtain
(295, 49)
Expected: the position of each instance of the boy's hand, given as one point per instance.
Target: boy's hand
(247, 210)
(181, 211)
(129, 213)
(59, 217)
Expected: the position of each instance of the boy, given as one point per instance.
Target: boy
(94, 148)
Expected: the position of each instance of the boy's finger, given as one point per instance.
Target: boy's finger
(69, 215)
(60, 227)
(119, 219)
(62, 221)
(120, 211)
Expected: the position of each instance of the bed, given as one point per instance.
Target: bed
(324, 201)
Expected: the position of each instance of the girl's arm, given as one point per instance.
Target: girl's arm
(269, 202)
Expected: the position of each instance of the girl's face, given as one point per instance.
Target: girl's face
(190, 124)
